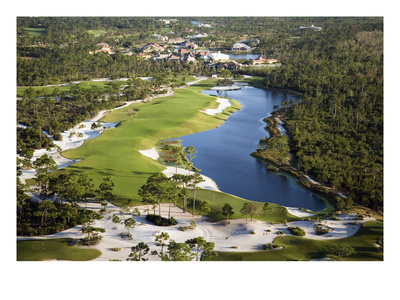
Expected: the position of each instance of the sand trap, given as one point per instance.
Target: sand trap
(208, 183)
(298, 212)
(223, 104)
(152, 153)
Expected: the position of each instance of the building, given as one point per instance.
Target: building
(178, 40)
(182, 51)
(216, 56)
(241, 47)
(189, 45)
(153, 47)
(310, 27)
(231, 65)
(262, 60)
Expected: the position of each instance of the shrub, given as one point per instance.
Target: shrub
(319, 229)
(297, 231)
(270, 246)
(160, 221)
(136, 212)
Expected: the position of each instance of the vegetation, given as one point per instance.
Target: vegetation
(336, 131)
(334, 134)
(53, 249)
(299, 248)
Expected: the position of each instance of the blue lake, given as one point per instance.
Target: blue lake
(223, 153)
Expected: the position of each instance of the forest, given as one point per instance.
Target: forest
(335, 132)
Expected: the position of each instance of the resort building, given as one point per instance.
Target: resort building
(241, 47)
(261, 60)
(216, 56)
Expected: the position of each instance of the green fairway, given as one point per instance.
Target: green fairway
(298, 248)
(116, 152)
(102, 85)
(53, 249)
(34, 31)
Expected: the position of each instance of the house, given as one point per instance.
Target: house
(218, 56)
(153, 47)
(231, 65)
(161, 57)
(261, 60)
(199, 36)
(182, 51)
(189, 45)
(174, 58)
(271, 61)
(178, 40)
(104, 49)
(189, 58)
(241, 47)
(202, 53)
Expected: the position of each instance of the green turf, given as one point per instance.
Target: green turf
(115, 153)
(218, 199)
(34, 31)
(102, 85)
(299, 248)
(53, 249)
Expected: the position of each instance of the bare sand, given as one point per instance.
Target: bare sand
(223, 104)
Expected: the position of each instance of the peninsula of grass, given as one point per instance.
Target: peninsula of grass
(53, 249)
(116, 152)
(217, 200)
(299, 248)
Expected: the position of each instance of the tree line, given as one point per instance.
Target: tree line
(336, 130)
(58, 210)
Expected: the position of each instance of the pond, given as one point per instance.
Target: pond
(223, 153)
(245, 56)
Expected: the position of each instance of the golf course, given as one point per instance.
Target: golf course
(116, 153)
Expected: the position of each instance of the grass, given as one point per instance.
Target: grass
(97, 32)
(53, 249)
(35, 31)
(218, 199)
(115, 153)
(102, 85)
(298, 248)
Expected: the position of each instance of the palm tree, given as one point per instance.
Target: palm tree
(196, 179)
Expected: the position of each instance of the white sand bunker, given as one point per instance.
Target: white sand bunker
(152, 153)
(223, 104)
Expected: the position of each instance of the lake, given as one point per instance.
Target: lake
(223, 153)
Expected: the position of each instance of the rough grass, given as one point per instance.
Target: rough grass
(218, 199)
(53, 249)
(102, 85)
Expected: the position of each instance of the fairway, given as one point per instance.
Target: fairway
(116, 152)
